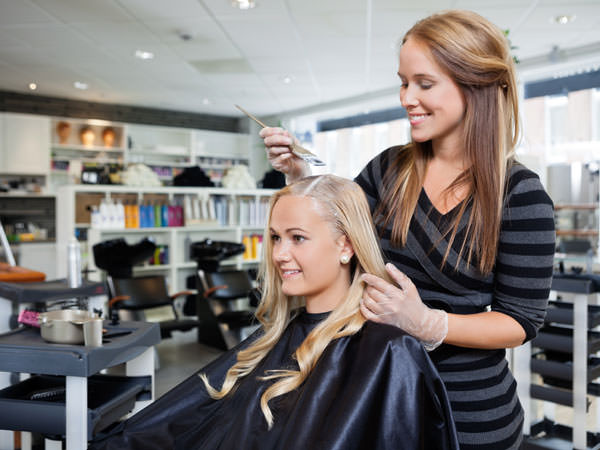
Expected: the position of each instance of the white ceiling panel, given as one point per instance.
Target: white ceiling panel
(158, 10)
(22, 12)
(585, 17)
(393, 24)
(299, 7)
(69, 11)
(223, 9)
(263, 37)
(421, 5)
(332, 25)
(206, 49)
(50, 35)
(199, 30)
(116, 33)
(475, 5)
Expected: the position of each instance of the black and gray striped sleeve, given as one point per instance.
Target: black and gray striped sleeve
(523, 272)
(371, 177)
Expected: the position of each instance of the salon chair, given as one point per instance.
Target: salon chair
(146, 299)
(138, 298)
(226, 298)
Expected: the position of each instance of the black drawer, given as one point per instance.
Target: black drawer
(562, 312)
(560, 339)
(38, 403)
(563, 370)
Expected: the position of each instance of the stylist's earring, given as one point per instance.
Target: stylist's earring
(344, 259)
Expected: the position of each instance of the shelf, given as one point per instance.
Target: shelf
(161, 151)
(109, 398)
(579, 206)
(563, 370)
(151, 268)
(253, 227)
(250, 261)
(547, 434)
(85, 160)
(561, 340)
(165, 164)
(137, 230)
(562, 313)
(577, 233)
(87, 148)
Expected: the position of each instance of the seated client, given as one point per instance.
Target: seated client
(316, 375)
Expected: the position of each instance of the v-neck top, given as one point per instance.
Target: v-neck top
(480, 385)
(428, 205)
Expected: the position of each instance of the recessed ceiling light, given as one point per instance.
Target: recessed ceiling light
(287, 79)
(80, 85)
(143, 54)
(206, 101)
(32, 86)
(243, 4)
(564, 19)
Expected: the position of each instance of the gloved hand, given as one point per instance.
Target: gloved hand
(280, 156)
(402, 307)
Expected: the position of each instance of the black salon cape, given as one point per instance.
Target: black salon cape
(376, 389)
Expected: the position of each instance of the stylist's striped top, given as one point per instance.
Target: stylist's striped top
(482, 390)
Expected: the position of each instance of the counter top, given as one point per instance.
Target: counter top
(26, 195)
(25, 351)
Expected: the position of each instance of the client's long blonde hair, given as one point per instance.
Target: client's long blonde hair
(344, 206)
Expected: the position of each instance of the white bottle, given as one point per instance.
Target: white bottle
(120, 216)
(104, 214)
(96, 220)
(112, 214)
(74, 262)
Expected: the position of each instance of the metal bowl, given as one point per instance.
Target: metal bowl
(64, 326)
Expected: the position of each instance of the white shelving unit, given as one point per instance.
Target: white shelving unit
(69, 216)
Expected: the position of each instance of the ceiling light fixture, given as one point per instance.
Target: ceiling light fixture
(287, 79)
(563, 19)
(206, 101)
(243, 4)
(80, 85)
(32, 86)
(143, 54)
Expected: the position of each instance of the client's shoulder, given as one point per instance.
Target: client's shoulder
(381, 334)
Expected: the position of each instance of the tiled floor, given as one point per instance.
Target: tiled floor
(179, 357)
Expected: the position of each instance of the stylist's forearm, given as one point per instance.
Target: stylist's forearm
(488, 330)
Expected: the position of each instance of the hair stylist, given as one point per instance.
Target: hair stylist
(469, 230)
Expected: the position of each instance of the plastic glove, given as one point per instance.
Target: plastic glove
(280, 156)
(402, 307)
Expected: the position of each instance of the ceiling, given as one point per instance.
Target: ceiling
(209, 55)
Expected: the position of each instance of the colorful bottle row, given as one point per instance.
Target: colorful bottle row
(252, 246)
(146, 215)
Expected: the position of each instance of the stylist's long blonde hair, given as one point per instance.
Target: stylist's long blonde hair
(343, 205)
(475, 54)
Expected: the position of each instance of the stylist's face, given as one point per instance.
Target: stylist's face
(307, 253)
(433, 101)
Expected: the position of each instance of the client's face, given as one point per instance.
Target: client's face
(307, 253)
